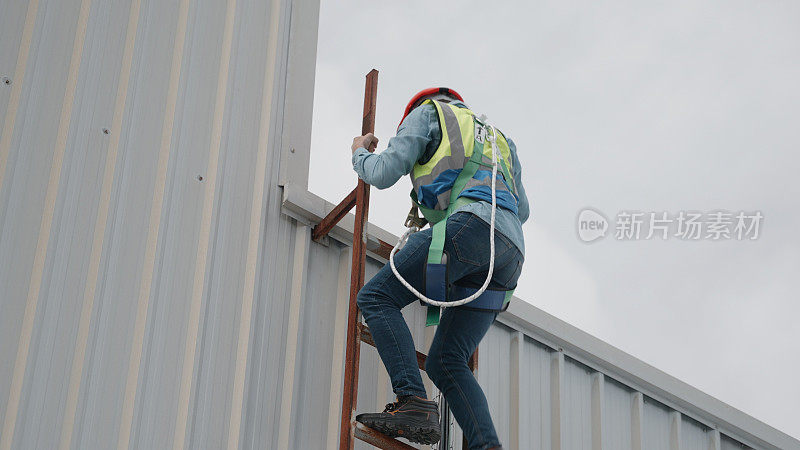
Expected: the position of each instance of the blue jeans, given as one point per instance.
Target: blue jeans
(460, 329)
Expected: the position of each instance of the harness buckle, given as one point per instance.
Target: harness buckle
(414, 220)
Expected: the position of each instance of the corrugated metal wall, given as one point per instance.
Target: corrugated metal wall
(140, 223)
(565, 404)
(154, 293)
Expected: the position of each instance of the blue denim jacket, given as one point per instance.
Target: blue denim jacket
(417, 139)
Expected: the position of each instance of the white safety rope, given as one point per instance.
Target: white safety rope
(412, 229)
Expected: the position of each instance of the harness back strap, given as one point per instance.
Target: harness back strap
(436, 250)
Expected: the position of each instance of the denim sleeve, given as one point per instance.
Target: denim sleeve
(523, 209)
(382, 170)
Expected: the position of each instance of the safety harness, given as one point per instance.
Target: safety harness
(439, 292)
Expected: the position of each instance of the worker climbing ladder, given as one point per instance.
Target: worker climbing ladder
(357, 331)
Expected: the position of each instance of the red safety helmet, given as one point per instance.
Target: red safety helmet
(426, 92)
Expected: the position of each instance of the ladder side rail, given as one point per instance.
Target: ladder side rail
(352, 353)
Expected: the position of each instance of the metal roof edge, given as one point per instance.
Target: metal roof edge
(309, 208)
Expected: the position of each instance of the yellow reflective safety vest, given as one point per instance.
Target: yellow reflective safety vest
(462, 135)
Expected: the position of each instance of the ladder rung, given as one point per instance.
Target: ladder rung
(378, 439)
(366, 337)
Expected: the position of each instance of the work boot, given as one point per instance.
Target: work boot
(410, 417)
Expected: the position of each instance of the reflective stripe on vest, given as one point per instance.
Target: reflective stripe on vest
(432, 181)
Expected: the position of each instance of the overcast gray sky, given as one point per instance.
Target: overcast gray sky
(625, 105)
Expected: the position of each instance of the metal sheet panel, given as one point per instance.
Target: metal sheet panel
(30, 182)
(184, 194)
(577, 404)
(314, 366)
(123, 293)
(617, 416)
(534, 396)
(66, 268)
(12, 24)
(495, 355)
(694, 436)
(728, 443)
(656, 425)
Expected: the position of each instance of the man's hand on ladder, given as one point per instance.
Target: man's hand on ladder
(367, 141)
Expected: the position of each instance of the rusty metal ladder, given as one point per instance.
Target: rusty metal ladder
(358, 332)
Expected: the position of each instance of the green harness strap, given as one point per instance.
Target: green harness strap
(436, 250)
